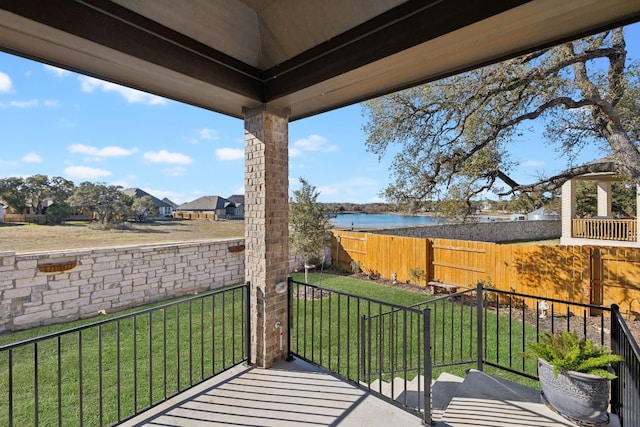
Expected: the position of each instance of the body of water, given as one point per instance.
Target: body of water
(383, 220)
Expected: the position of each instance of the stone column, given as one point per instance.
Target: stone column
(568, 208)
(267, 231)
(604, 198)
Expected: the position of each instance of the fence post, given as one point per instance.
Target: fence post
(480, 326)
(615, 348)
(289, 317)
(247, 319)
(363, 355)
(426, 330)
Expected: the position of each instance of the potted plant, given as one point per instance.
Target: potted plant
(574, 375)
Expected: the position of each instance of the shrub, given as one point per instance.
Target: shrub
(566, 352)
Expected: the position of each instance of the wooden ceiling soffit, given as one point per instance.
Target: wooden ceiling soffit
(121, 29)
(400, 28)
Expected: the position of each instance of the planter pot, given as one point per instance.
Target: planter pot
(575, 395)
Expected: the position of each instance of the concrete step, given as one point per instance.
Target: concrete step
(411, 393)
(484, 400)
(443, 390)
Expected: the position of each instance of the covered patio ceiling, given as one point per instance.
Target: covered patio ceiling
(299, 56)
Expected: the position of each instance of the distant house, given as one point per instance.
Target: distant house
(207, 207)
(238, 200)
(165, 208)
(171, 203)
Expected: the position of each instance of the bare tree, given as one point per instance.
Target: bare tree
(454, 133)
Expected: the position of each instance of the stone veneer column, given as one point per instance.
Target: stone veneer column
(568, 208)
(267, 231)
(604, 198)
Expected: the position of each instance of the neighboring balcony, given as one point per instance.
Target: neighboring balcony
(602, 229)
(625, 230)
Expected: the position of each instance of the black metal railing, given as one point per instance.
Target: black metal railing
(106, 372)
(625, 389)
(380, 346)
(485, 327)
(498, 325)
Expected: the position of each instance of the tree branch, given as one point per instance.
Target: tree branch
(555, 182)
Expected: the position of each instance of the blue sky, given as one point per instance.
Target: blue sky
(59, 123)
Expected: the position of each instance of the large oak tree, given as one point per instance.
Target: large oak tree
(453, 135)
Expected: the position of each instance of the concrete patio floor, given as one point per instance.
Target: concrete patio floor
(300, 394)
(288, 394)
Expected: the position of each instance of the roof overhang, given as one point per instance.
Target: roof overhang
(303, 57)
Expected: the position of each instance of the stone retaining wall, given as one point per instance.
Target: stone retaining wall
(44, 288)
(497, 231)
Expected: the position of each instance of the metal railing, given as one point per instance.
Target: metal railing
(106, 372)
(488, 327)
(379, 346)
(605, 229)
(625, 390)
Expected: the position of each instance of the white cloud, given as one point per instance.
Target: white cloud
(164, 156)
(8, 163)
(532, 163)
(327, 191)
(314, 143)
(295, 152)
(350, 189)
(32, 158)
(5, 83)
(57, 71)
(85, 172)
(229, 154)
(171, 195)
(98, 154)
(210, 134)
(24, 104)
(51, 103)
(133, 96)
(175, 171)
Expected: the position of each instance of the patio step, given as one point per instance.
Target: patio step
(410, 394)
(485, 400)
(478, 399)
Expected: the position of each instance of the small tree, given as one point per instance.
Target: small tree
(143, 208)
(309, 224)
(58, 212)
(105, 201)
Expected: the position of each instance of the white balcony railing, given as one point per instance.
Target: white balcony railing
(605, 229)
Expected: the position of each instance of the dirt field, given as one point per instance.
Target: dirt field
(26, 238)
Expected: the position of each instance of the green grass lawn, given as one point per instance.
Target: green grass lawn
(104, 373)
(329, 333)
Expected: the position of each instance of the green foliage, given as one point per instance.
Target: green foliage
(13, 192)
(106, 201)
(33, 191)
(567, 352)
(356, 267)
(417, 274)
(142, 208)
(623, 199)
(58, 212)
(309, 222)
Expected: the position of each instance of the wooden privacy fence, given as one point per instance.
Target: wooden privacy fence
(195, 215)
(586, 274)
